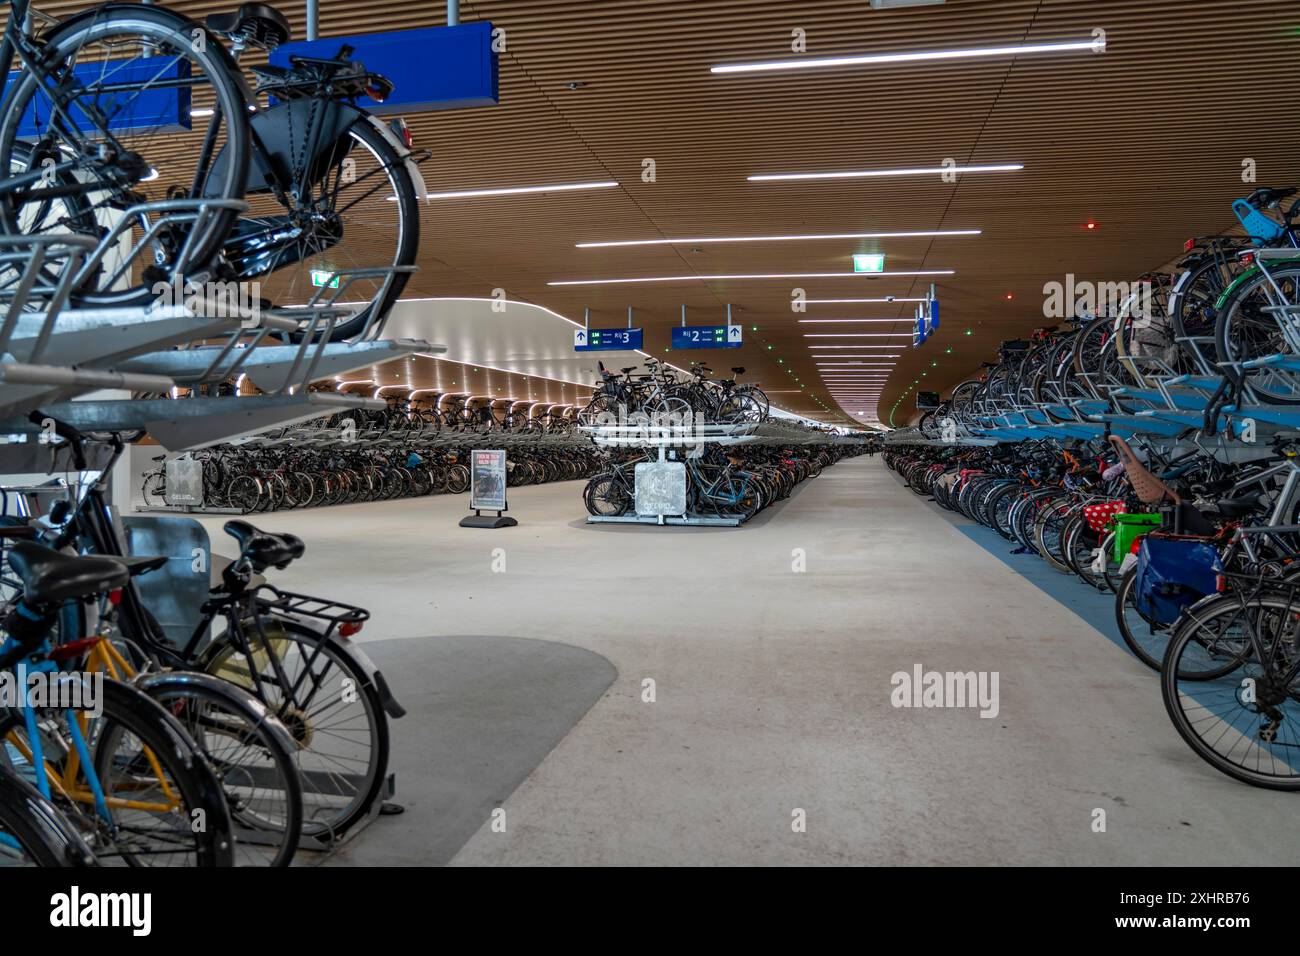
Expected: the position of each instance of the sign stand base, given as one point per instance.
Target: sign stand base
(480, 520)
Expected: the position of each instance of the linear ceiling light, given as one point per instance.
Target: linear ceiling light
(888, 298)
(863, 345)
(516, 190)
(1097, 44)
(882, 173)
(809, 236)
(857, 335)
(865, 356)
(760, 275)
(840, 321)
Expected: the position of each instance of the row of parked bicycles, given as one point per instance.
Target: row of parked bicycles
(314, 466)
(457, 414)
(662, 394)
(1215, 334)
(735, 481)
(153, 198)
(265, 731)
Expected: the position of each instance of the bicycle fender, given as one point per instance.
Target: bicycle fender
(412, 169)
(359, 657)
(251, 705)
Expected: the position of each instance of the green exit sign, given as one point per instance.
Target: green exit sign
(322, 279)
(869, 262)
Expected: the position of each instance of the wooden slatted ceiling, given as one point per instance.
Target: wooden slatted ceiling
(1146, 139)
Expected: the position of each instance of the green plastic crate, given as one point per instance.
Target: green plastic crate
(1128, 528)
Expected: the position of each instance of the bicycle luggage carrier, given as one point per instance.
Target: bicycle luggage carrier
(290, 603)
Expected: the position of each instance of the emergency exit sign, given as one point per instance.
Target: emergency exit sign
(869, 262)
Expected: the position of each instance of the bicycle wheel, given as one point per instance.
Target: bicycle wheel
(154, 490)
(34, 832)
(1250, 326)
(244, 492)
(332, 712)
(1147, 639)
(164, 805)
(110, 67)
(363, 213)
(1238, 711)
(604, 497)
(252, 755)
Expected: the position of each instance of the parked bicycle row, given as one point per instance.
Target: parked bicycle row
(1196, 347)
(734, 481)
(262, 730)
(1199, 548)
(289, 472)
(663, 395)
(458, 414)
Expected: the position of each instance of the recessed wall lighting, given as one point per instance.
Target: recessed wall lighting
(885, 173)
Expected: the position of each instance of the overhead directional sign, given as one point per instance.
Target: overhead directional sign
(606, 340)
(707, 337)
(934, 315)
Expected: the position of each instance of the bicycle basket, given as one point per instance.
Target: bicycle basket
(1173, 573)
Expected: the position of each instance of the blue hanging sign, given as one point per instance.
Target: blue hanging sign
(606, 340)
(708, 337)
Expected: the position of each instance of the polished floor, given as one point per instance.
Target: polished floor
(772, 735)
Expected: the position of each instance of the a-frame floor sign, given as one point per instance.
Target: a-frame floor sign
(487, 490)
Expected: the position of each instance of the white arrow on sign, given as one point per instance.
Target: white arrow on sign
(733, 333)
(579, 336)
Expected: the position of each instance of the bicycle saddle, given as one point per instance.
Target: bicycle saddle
(263, 549)
(51, 577)
(626, 370)
(1238, 507)
(136, 566)
(740, 370)
(255, 23)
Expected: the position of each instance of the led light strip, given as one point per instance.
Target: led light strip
(857, 335)
(864, 345)
(888, 298)
(516, 190)
(810, 236)
(843, 321)
(761, 275)
(884, 173)
(1095, 45)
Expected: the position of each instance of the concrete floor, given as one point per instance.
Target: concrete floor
(773, 691)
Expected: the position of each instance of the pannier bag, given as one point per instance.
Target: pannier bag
(1127, 529)
(1172, 574)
